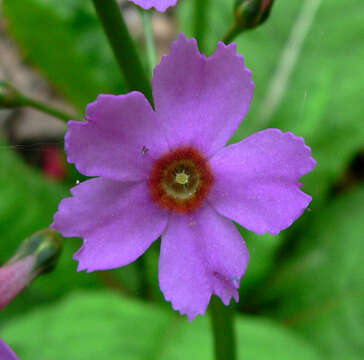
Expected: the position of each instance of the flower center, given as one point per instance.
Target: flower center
(180, 180)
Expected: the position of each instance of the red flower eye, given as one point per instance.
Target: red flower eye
(180, 180)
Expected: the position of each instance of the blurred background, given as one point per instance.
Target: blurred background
(303, 293)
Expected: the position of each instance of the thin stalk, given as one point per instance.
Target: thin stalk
(149, 40)
(10, 97)
(231, 34)
(200, 21)
(223, 329)
(143, 278)
(123, 46)
(46, 108)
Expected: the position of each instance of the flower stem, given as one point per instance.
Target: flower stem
(231, 34)
(10, 97)
(143, 278)
(123, 46)
(223, 330)
(149, 40)
(47, 109)
(200, 21)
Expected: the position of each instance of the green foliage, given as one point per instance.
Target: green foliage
(320, 289)
(121, 329)
(261, 251)
(65, 40)
(322, 97)
(28, 202)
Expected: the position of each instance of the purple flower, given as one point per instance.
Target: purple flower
(160, 5)
(167, 173)
(6, 353)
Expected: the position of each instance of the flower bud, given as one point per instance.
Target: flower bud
(36, 255)
(251, 13)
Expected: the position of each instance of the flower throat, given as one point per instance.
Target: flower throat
(180, 180)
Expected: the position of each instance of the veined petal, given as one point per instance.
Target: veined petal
(256, 181)
(201, 254)
(118, 222)
(119, 141)
(201, 101)
(160, 5)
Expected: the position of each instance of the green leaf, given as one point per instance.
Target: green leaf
(261, 251)
(28, 202)
(103, 326)
(65, 40)
(320, 291)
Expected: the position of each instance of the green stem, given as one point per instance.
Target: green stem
(25, 101)
(223, 330)
(200, 21)
(123, 46)
(149, 40)
(143, 278)
(231, 34)
(10, 97)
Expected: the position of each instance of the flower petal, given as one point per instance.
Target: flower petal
(201, 101)
(120, 139)
(201, 254)
(117, 220)
(6, 353)
(160, 5)
(256, 181)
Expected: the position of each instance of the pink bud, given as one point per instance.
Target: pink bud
(14, 278)
(37, 255)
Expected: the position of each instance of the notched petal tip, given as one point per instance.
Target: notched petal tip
(263, 173)
(109, 144)
(311, 162)
(232, 48)
(81, 267)
(209, 258)
(182, 40)
(108, 100)
(117, 221)
(188, 311)
(192, 101)
(60, 215)
(182, 37)
(193, 313)
(73, 129)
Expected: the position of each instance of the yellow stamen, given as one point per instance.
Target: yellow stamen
(182, 178)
